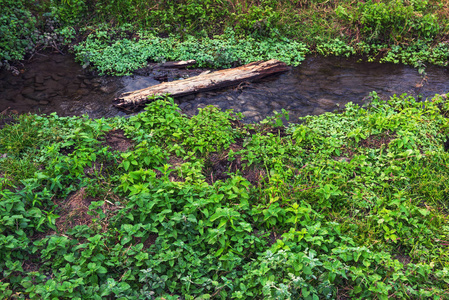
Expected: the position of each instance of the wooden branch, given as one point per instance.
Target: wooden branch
(204, 82)
(179, 64)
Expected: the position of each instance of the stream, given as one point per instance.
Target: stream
(56, 83)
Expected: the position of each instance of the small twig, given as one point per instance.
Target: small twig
(113, 203)
(56, 47)
(41, 54)
(216, 292)
(5, 111)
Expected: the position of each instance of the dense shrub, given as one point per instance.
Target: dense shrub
(17, 30)
(342, 205)
(393, 21)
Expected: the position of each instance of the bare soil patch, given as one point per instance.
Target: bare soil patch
(74, 211)
(151, 239)
(117, 140)
(175, 162)
(67, 150)
(218, 167)
(265, 130)
(404, 259)
(376, 141)
(33, 263)
(103, 169)
(237, 124)
(273, 237)
(344, 290)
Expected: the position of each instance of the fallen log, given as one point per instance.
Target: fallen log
(203, 82)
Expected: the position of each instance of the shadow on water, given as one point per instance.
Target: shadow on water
(56, 83)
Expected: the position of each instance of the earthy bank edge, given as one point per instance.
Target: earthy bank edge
(161, 206)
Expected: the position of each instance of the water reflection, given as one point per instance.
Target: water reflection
(56, 83)
(324, 84)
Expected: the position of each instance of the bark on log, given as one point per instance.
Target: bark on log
(201, 83)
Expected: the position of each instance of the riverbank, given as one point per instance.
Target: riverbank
(160, 205)
(221, 34)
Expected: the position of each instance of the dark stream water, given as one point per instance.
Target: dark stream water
(56, 83)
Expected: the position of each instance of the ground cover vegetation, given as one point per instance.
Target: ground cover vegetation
(163, 206)
(119, 36)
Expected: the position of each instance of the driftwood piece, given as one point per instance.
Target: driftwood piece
(179, 64)
(205, 82)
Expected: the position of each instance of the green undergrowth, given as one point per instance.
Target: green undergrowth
(222, 34)
(162, 206)
(28, 27)
(110, 52)
(123, 56)
(117, 37)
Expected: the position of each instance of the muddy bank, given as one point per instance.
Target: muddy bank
(56, 83)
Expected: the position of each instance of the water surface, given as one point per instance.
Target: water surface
(324, 84)
(56, 83)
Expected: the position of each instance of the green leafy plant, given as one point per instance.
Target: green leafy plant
(125, 55)
(16, 27)
(352, 199)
